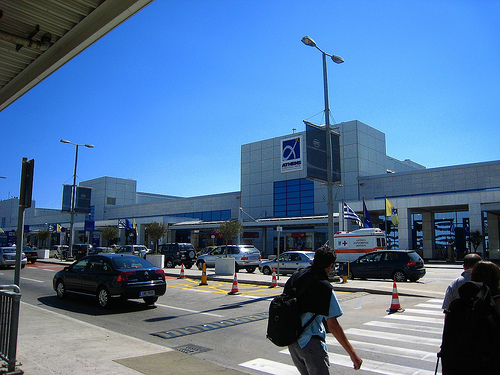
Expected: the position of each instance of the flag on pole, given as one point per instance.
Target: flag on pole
(391, 211)
(367, 221)
(351, 215)
(134, 226)
(121, 224)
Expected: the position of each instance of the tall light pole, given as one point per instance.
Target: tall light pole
(73, 194)
(339, 60)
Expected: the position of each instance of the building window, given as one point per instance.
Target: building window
(110, 201)
(293, 198)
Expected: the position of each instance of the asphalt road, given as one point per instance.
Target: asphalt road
(230, 329)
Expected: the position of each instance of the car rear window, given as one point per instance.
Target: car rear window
(414, 256)
(121, 263)
(9, 249)
(252, 250)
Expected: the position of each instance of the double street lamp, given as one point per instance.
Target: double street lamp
(339, 60)
(73, 194)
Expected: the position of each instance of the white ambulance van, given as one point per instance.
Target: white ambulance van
(350, 246)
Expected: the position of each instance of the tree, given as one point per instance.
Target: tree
(228, 230)
(475, 238)
(156, 231)
(109, 233)
(42, 236)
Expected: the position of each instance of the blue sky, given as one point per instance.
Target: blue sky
(169, 96)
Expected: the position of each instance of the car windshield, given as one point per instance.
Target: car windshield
(122, 263)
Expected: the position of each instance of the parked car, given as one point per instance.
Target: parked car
(138, 250)
(59, 251)
(245, 256)
(107, 276)
(288, 262)
(177, 254)
(398, 265)
(8, 257)
(81, 250)
(31, 254)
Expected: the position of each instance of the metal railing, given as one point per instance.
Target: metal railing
(10, 300)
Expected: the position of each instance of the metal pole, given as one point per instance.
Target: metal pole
(328, 155)
(73, 197)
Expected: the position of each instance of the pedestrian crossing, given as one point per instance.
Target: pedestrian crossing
(396, 344)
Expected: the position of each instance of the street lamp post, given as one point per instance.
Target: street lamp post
(73, 194)
(337, 59)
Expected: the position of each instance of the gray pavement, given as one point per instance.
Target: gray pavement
(52, 343)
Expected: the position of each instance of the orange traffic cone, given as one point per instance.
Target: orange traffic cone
(395, 306)
(204, 275)
(182, 276)
(234, 289)
(274, 282)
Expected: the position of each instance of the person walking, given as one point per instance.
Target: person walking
(309, 353)
(452, 291)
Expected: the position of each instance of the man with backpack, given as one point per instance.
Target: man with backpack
(317, 302)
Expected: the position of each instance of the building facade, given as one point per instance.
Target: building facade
(438, 208)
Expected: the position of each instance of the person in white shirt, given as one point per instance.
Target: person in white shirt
(452, 292)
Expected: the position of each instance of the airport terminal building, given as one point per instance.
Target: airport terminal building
(438, 208)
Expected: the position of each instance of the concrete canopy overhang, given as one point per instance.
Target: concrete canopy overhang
(37, 38)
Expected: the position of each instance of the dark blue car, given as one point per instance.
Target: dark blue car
(398, 265)
(111, 276)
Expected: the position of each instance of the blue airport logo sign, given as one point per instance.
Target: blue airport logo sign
(291, 154)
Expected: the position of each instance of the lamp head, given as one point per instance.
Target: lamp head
(64, 141)
(89, 146)
(337, 59)
(308, 41)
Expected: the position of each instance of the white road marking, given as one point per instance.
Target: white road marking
(188, 310)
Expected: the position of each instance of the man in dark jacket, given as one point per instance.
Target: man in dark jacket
(309, 353)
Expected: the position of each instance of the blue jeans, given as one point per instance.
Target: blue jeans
(311, 359)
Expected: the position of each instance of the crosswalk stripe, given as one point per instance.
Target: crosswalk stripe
(405, 327)
(429, 306)
(393, 337)
(436, 300)
(424, 312)
(413, 318)
(388, 350)
(270, 367)
(378, 367)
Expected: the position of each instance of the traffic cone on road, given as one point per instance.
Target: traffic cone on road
(234, 289)
(274, 282)
(395, 306)
(204, 275)
(182, 276)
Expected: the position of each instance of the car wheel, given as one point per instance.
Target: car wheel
(61, 289)
(150, 300)
(250, 269)
(103, 297)
(266, 271)
(199, 264)
(399, 276)
(32, 261)
(188, 265)
(236, 267)
(351, 275)
(191, 254)
(23, 265)
(169, 263)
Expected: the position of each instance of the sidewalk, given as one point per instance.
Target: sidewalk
(52, 343)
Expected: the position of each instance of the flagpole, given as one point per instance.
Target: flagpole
(385, 219)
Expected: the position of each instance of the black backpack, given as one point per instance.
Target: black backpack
(471, 335)
(284, 326)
